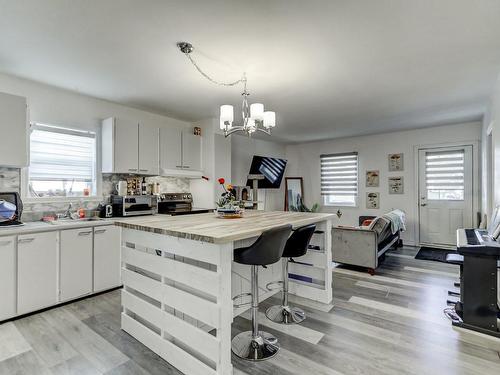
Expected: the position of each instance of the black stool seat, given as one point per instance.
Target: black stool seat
(296, 246)
(256, 345)
(268, 248)
(297, 243)
(455, 259)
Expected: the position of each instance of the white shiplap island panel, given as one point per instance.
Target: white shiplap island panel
(179, 280)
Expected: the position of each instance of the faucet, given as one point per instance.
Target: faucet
(68, 210)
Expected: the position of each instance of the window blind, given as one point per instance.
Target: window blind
(444, 175)
(339, 175)
(58, 154)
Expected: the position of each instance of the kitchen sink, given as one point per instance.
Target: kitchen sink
(64, 221)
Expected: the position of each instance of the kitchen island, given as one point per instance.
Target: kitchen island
(180, 279)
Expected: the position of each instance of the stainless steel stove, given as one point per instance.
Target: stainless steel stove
(178, 204)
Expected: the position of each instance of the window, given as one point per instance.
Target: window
(62, 162)
(444, 175)
(339, 179)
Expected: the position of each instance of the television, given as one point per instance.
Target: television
(272, 169)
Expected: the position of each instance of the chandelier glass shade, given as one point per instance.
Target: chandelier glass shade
(254, 118)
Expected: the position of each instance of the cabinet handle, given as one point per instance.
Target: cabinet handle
(84, 233)
(99, 231)
(23, 240)
(186, 166)
(144, 170)
(132, 169)
(5, 243)
(178, 166)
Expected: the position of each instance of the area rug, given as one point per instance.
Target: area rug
(433, 253)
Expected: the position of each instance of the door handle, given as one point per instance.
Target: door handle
(423, 204)
(186, 166)
(144, 170)
(84, 233)
(100, 231)
(24, 240)
(132, 169)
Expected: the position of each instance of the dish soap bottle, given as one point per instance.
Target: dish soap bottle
(144, 186)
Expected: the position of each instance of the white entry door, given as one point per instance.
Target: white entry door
(445, 193)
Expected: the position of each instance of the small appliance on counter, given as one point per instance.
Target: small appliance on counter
(134, 205)
(105, 210)
(178, 204)
(11, 209)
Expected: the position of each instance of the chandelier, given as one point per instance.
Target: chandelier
(253, 115)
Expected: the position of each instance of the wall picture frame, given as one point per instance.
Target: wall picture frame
(294, 193)
(372, 178)
(396, 185)
(372, 200)
(396, 162)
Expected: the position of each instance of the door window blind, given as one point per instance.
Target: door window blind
(339, 178)
(62, 161)
(444, 175)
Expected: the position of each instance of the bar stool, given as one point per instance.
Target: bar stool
(257, 345)
(296, 246)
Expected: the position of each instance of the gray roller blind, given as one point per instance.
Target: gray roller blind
(444, 175)
(339, 174)
(58, 154)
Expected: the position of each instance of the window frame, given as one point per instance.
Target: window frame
(25, 175)
(326, 197)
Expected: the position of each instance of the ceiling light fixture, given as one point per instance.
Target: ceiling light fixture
(254, 116)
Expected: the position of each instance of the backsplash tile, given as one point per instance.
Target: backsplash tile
(167, 184)
(10, 180)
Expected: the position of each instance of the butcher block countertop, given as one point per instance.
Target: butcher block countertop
(209, 228)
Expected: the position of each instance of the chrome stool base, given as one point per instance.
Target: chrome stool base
(259, 348)
(285, 314)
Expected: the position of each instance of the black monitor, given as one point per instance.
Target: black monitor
(15, 199)
(272, 169)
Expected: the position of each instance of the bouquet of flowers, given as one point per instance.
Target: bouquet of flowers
(227, 199)
(227, 206)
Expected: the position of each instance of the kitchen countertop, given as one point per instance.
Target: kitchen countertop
(40, 226)
(209, 228)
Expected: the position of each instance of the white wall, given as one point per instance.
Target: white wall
(242, 151)
(491, 190)
(216, 160)
(51, 105)
(303, 160)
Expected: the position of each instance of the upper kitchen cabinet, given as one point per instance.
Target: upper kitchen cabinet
(148, 150)
(180, 152)
(191, 151)
(14, 125)
(129, 147)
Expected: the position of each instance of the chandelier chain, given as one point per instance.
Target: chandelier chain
(241, 80)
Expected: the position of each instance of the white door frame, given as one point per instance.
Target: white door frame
(476, 202)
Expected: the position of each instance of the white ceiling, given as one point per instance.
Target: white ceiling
(328, 68)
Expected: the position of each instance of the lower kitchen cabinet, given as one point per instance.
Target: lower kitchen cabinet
(107, 263)
(7, 277)
(75, 263)
(36, 271)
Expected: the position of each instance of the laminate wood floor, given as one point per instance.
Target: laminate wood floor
(390, 323)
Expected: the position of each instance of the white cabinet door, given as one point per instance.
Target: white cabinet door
(14, 123)
(7, 277)
(126, 146)
(191, 151)
(36, 271)
(170, 149)
(107, 259)
(148, 150)
(76, 263)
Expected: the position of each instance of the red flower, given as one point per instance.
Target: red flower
(221, 181)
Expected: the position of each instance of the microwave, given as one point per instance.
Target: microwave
(134, 205)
